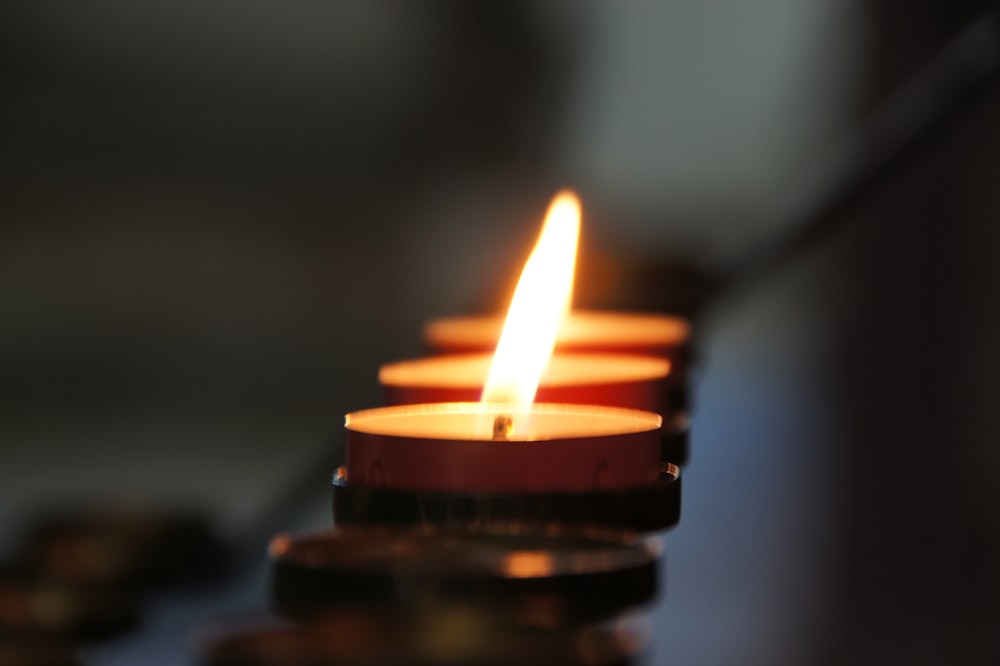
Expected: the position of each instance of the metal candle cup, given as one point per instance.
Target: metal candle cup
(615, 380)
(563, 576)
(450, 447)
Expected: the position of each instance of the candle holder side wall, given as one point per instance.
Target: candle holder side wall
(648, 508)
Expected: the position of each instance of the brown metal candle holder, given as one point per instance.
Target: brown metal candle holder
(646, 508)
(541, 580)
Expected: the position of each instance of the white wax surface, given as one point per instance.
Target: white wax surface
(582, 328)
(470, 370)
(473, 421)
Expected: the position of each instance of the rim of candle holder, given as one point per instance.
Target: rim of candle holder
(647, 508)
(552, 578)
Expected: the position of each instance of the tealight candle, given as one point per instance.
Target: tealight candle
(616, 380)
(651, 334)
(457, 447)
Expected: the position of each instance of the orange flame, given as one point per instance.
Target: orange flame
(541, 300)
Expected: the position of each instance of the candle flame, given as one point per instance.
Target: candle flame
(541, 300)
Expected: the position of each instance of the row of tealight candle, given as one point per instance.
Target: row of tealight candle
(547, 401)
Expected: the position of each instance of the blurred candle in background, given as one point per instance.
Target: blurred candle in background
(652, 334)
(592, 379)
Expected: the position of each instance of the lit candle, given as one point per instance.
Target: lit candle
(617, 380)
(454, 447)
(651, 334)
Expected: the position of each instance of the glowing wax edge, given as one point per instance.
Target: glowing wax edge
(565, 370)
(466, 421)
(583, 328)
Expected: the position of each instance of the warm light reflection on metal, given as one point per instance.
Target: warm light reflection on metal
(527, 564)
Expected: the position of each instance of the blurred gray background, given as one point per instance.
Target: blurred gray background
(217, 220)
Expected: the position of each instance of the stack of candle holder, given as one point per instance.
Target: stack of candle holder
(497, 595)
(540, 545)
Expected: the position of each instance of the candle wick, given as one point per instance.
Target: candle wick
(503, 427)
